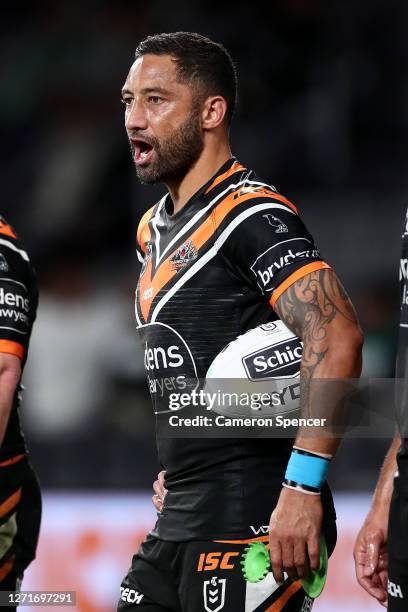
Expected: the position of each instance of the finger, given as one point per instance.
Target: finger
(157, 490)
(375, 590)
(157, 503)
(300, 558)
(373, 547)
(313, 550)
(383, 562)
(288, 561)
(384, 579)
(275, 553)
(161, 478)
(359, 551)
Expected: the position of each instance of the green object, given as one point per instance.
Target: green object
(256, 565)
(255, 562)
(314, 582)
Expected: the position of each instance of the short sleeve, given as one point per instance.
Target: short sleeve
(270, 248)
(15, 307)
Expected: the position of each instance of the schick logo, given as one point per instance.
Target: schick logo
(395, 590)
(276, 361)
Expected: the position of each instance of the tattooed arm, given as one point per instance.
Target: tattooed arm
(317, 309)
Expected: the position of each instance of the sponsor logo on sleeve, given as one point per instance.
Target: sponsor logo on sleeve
(266, 267)
(14, 306)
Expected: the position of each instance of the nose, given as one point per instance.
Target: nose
(135, 117)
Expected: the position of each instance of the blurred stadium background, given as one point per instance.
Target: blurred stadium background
(323, 115)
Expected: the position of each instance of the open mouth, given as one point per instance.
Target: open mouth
(143, 152)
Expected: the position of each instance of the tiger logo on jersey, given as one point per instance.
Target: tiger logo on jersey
(184, 254)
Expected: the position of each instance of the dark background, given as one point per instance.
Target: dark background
(323, 114)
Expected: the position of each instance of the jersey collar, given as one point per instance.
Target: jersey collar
(230, 167)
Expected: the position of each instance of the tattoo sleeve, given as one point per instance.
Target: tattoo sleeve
(317, 309)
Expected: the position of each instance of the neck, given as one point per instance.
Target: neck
(207, 165)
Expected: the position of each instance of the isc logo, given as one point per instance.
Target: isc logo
(208, 562)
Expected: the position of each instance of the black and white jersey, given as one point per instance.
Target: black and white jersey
(210, 272)
(18, 306)
(402, 360)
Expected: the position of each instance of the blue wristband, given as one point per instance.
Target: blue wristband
(307, 469)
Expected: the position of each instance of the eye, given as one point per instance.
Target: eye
(155, 99)
(127, 101)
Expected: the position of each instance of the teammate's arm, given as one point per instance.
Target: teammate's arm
(10, 373)
(317, 309)
(370, 549)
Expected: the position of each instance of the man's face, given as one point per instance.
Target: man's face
(162, 120)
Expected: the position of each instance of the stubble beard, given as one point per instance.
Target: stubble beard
(175, 155)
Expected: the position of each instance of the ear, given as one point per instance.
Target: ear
(213, 113)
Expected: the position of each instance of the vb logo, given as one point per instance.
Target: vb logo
(208, 562)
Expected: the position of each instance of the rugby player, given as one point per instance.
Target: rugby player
(222, 252)
(381, 548)
(20, 499)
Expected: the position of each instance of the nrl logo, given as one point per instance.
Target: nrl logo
(184, 254)
(214, 594)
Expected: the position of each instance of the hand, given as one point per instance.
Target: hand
(159, 490)
(294, 534)
(371, 558)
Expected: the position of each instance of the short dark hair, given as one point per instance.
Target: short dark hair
(200, 61)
